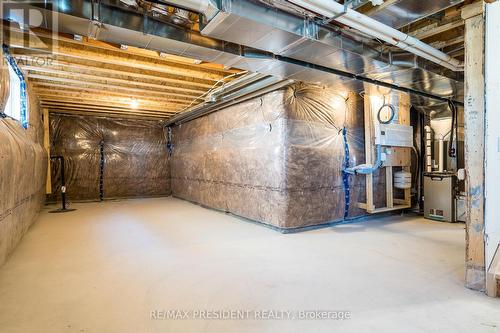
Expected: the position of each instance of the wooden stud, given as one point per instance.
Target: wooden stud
(474, 145)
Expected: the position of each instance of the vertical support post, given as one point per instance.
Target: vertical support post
(46, 144)
(474, 145)
(389, 187)
(404, 119)
(370, 207)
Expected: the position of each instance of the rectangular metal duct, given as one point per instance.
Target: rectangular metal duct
(400, 13)
(251, 23)
(327, 48)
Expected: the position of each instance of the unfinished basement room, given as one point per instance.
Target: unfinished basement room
(249, 166)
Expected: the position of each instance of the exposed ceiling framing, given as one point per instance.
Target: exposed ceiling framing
(443, 30)
(88, 76)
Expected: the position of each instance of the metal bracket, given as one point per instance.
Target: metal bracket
(347, 4)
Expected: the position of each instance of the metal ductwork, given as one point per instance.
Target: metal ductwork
(400, 13)
(340, 61)
(247, 87)
(351, 18)
(329, 9)
(250, 22)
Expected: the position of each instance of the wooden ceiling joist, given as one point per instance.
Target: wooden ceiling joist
(44, 89)
(123, 77)
(152, 54)
(111, 90)
(103, 104)
(48, 78)
(126, 102)
(91, 107)
(86, 76)
(120, 114)
(114, 57)
(110, 80)
(106, 70)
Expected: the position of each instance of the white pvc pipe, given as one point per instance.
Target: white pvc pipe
(353, 19)
(374, 28)
(428, 148)
(441, 155)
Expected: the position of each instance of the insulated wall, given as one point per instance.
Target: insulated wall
(276, 159)
(108, 158)
(23, 170)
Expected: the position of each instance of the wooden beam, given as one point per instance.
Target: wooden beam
(56, 88)
(108, 97)
(434, 29)
(170, 58)
(368, 121)
(446, 43)
(102, 105)
(474, 147)
(118, 114)
(109, 102)
(84, 108)
(106, 69)
(50, 72)
(18, 39)
(389, 195)
(58, 81)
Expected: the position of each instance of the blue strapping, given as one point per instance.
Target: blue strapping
(345, 175)
(24, 98)
(170, 144)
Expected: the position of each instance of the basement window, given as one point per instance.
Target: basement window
(17, 106)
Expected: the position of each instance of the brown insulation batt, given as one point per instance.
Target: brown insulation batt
(23, 170)
(276, 159)
(136, 162)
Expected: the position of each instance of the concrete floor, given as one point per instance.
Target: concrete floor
(106, 266)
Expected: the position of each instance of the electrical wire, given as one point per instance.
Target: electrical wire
(213, 88)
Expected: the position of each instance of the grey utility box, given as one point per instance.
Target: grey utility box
(439, 201)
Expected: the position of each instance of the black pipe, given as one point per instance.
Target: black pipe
(63, 186)
(101, 171)
(63, 180)
(366, 79)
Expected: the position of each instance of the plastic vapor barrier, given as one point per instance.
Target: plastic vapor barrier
(23, 170)
(276, 159)
(108, 158)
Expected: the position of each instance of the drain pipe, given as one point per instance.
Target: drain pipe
(428, 148)
(375, 29)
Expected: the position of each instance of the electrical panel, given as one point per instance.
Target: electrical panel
(394, 135)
